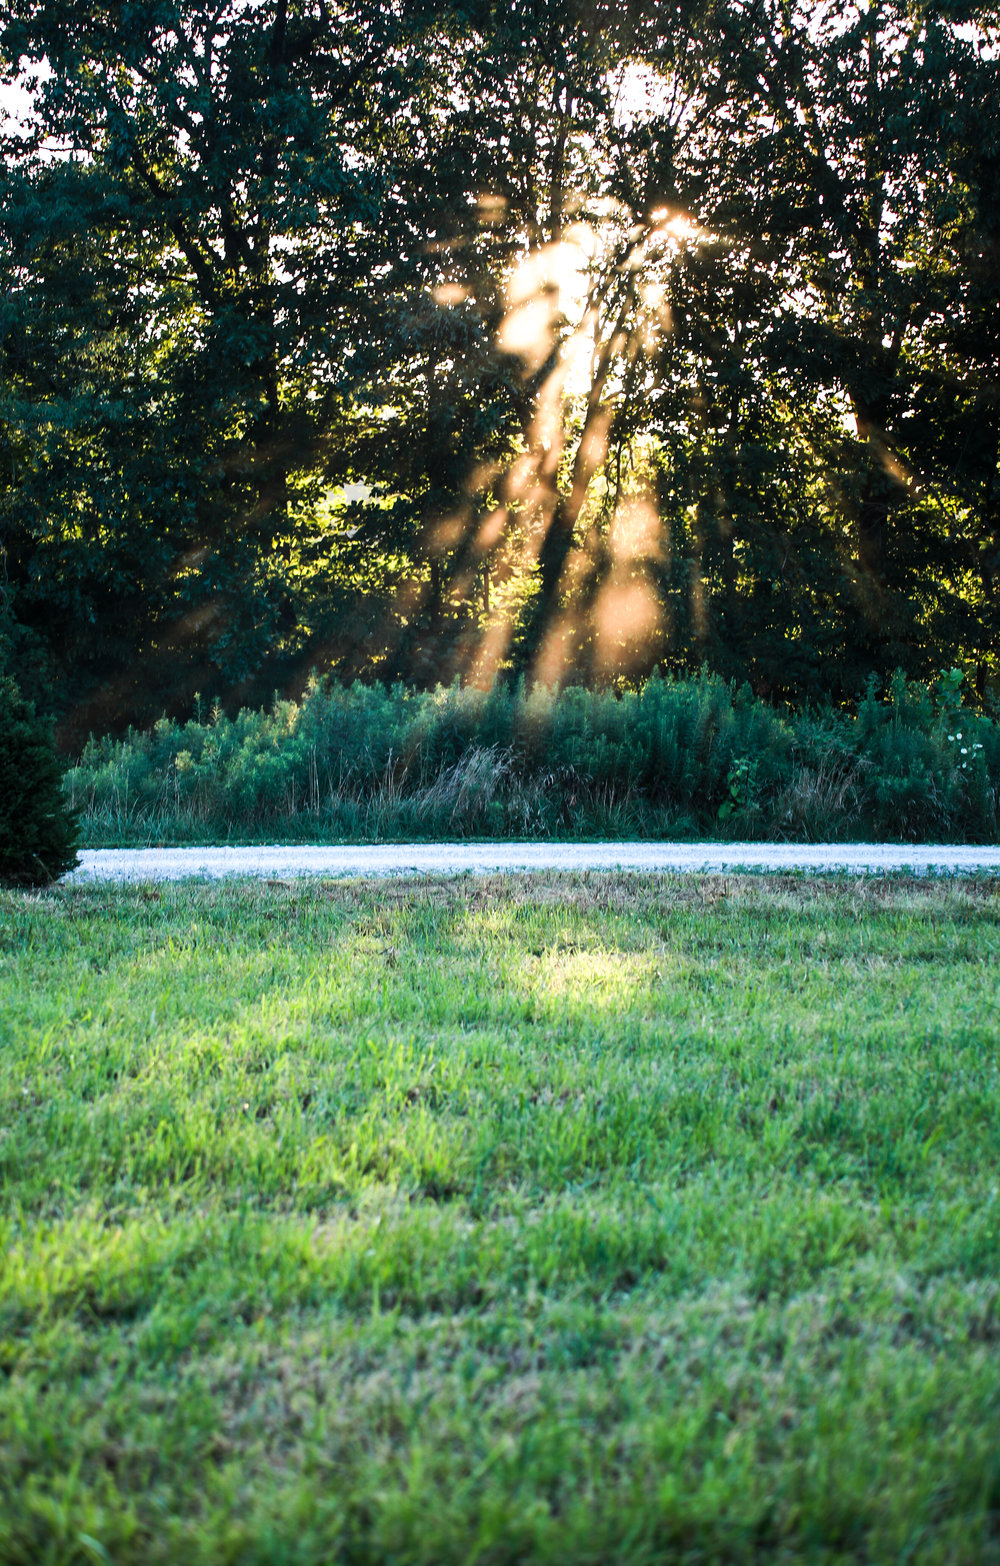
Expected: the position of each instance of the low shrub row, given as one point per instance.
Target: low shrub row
(680, 758)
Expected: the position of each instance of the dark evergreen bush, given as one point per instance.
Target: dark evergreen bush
(37, 831)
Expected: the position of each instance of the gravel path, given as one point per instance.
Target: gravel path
(172, 864)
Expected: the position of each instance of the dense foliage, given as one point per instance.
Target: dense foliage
(37, 831)
(571, 340)
(678, 758)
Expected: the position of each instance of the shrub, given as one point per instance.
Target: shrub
(37, 831)
(678, 758)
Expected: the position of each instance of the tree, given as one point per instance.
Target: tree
(846, 135)
(222, 167)
(641, 335)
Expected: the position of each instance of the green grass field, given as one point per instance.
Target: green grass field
(584, 1220)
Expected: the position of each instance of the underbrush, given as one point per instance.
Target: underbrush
(678, 758)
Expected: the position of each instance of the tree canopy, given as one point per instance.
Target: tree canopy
(470, 340)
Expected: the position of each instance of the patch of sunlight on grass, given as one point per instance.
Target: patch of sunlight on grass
(510, 1219)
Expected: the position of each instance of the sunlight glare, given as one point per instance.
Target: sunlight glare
(627, 616)
(635, 531)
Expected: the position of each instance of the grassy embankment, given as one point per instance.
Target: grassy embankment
(578, 1221)
(680, 758)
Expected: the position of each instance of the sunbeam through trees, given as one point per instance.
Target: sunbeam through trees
(478, 342)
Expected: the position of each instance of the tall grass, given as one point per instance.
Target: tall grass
(679, 758)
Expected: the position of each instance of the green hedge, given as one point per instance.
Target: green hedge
(685, 758)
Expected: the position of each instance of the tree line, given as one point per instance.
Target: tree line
(466, 340)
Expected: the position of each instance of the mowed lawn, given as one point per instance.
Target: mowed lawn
(577, 1220)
